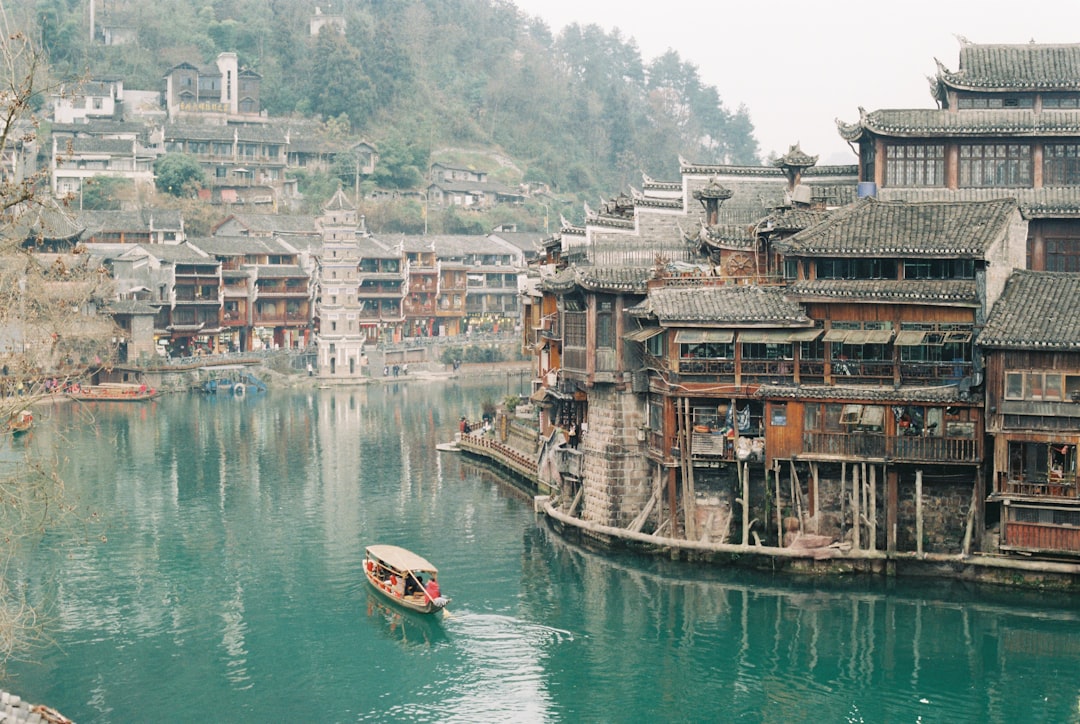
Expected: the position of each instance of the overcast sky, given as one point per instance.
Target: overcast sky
(798, 66)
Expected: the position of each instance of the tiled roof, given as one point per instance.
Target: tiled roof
(238, 245)
(183, 253)
(1015, 67)
(275, 223)
(929, 123)
(792, 219)
(93, 144)
(1048, 202)
(1037, 311)
(457, 246)
(610, 279)
(281, 271)
(730, 304)
(901, 229)
(862, 393)
(130, 306)
(145, 219)
(728, 236)
(246, 132)
(887, 290)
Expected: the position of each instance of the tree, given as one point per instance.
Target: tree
(46, 327)
(104, 192)
(178, 174)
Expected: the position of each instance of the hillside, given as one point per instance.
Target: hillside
(581, 111)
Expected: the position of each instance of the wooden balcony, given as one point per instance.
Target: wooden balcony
(715, 367)
(280, 320)
(1045, 485)
(875, 446)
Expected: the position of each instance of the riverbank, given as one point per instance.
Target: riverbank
(813, 558)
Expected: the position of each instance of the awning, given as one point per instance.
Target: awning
(878, 336)
(765, 336)
(779, 336)
(863, 336)
(640, 335)
(804, 335)
(910, 338)
(838, 335)
(693, 336)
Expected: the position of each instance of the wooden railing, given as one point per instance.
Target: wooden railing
(904, 448)
(1042, 486)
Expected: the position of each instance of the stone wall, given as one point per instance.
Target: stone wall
(615, 475)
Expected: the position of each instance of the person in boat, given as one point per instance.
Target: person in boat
(432, 589)
(411, 584)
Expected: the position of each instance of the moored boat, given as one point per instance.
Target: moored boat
(404, 578)
(20, 422)
(113, 392)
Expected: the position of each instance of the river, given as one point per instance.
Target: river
(220, 580)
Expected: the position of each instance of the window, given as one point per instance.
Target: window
(990, 165)
(974, 101)
(1063, 255)
(1050, 386)
(858, 268)
(778, 416)
(1061, 164)
(574, 334)
(655, 345)
(939, 269)
(605, 327)
(1054, 100)
(766, 351)
(1014, 386)
(915, 165)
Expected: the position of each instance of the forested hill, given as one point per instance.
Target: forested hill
(580, 110)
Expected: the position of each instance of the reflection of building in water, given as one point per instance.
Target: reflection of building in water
(840, 633)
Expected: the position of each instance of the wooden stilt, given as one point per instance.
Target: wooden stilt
(843, 499)
(918, 513)
(969, 529)
(744, 476)
(856, 518)
(778, 506)
(873, 507)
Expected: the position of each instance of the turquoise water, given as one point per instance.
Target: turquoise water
(225, 584)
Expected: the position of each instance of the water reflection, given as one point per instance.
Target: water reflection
(229, 579)
(405, 627)
(813, 650)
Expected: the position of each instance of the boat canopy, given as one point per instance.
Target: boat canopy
(401, 559)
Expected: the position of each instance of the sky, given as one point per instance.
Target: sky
(799, 66)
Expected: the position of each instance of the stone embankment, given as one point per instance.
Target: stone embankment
(13, 710)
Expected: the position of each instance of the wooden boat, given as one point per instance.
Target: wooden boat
(404, 578)
(113, 392)
(20, 422)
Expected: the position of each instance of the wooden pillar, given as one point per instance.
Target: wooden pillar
(892, 504)
(744, 474)
(673, 503)
(779, 513)
(918, 513)
(856, 523)
(873, 507)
